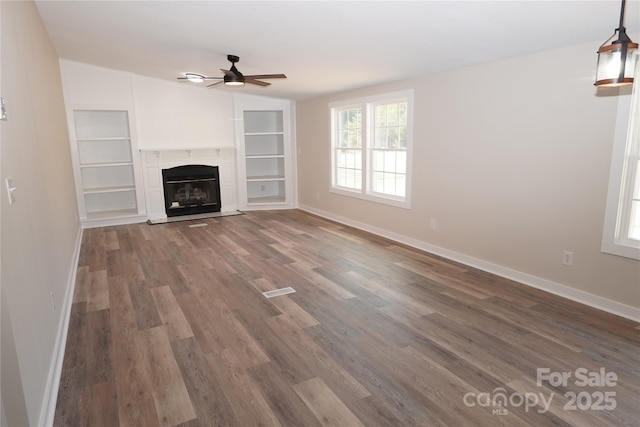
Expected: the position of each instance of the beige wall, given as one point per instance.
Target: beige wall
(511, 159)
(40, 231)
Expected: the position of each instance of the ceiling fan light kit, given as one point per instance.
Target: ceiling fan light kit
(617, 61)
(230, 81)
(232, 76)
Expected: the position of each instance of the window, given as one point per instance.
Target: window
(348, 148)
(371, 148)
(621, 235)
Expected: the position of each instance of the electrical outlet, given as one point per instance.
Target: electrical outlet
(432, 224)
(567, 258)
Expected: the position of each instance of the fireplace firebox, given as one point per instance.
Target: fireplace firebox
(191, 189)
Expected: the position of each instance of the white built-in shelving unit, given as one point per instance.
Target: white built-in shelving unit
(265, 154)
(104, 167)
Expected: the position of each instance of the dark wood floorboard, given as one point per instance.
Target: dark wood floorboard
(169, 327)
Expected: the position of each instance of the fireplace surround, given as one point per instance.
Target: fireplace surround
(191, 189)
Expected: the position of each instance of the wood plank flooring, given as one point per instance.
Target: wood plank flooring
(169, 327)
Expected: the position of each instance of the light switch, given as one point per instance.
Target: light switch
(10, 191)
(3, 110)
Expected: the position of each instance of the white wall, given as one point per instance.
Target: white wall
(41, 230)
(173, 115)
(166, 115)
(511, 159)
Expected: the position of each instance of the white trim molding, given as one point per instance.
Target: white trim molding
(616, 237)
(48, 410)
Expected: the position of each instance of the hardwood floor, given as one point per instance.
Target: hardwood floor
(169, 327)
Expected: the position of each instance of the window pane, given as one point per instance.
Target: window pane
(388, 172)
(389, 160)
(340, 158)
(348, 168)
(340, 176)
(349, 128)
(401, 162)
(377, 182)
(401, 185)
(390, 183)
(343, 139)
(634, 226)
(377, 160)
(343, 117)
(391, 125)
(402, 114)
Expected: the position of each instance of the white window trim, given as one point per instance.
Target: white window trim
(365, 193)
(627, 131)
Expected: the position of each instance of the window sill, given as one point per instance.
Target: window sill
(619, 249)
(404, 204)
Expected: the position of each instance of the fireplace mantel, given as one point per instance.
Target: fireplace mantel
(156, 159)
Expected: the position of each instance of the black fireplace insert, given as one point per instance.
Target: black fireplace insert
(191, 189)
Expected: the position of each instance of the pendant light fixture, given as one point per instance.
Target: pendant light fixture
(616, 61)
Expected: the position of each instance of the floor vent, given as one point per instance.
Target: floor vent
(202, 224)
(278, 292)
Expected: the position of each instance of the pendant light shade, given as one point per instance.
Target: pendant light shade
(616, 61)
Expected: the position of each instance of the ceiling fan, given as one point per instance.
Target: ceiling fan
(233, 77)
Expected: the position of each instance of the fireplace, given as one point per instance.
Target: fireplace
(191, 189)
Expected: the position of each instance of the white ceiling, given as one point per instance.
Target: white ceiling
(322, 46)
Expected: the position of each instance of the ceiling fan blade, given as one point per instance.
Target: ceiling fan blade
(203, 77)
(228, 73)
(215, 84)
(267, 76)
(256, 82)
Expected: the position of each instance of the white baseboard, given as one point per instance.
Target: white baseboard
(48, 410)
(131, 219)
(573, 294)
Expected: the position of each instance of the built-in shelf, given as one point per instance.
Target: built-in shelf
(106, 215)
(266, 156)
(105, 171)
(264, 151)
(266, 178)
(105, 165)
(266, 200)
(99, 190)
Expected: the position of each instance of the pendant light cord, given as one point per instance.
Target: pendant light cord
(621, 30)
